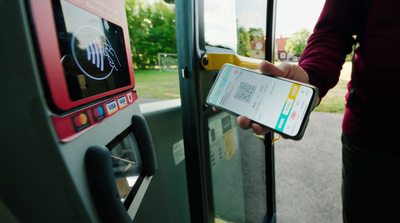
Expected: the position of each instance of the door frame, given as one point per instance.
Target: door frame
(191, 48)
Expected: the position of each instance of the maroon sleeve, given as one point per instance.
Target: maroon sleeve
(330, 42)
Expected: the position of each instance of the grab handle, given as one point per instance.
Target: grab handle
(145, 143)
(102, 185)
(214, 61)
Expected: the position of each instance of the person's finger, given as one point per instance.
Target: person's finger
(294, 72)
(244, 122)
(270, 69)
(216, 109)
(285, 70)
(259, 129)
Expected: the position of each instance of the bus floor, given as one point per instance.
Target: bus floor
(308, 173)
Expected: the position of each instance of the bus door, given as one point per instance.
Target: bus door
(230, 172)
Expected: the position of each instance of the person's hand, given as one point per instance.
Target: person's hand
(286, 70)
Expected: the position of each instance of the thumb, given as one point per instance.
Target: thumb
(270, 69)
(286, 70)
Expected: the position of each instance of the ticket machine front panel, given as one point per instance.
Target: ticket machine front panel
(72, 76)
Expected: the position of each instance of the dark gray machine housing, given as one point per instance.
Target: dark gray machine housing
(41, 178)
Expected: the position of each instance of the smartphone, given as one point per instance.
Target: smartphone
(281, 104)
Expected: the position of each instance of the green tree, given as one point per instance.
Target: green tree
(243, 46)
(256, 33)
(151, 31)
(298, 42)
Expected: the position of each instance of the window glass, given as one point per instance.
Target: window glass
(237, 158)
(154, 53)
(295, 21)
(126, 162)
(237, 25)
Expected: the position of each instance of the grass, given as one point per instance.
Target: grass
(156, 84)
(165, 85)
(334, 101)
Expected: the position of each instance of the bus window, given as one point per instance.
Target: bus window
(237, 158)
(236, 25)
(154, 52)
(295, 21)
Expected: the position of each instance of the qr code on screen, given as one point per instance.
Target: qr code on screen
(245, 92)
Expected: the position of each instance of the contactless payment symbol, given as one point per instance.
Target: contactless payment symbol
(93, 52)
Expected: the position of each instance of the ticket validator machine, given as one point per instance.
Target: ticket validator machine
(74, 147)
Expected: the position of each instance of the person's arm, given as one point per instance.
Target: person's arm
(330, 42)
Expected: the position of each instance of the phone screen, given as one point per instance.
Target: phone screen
(277, 103)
